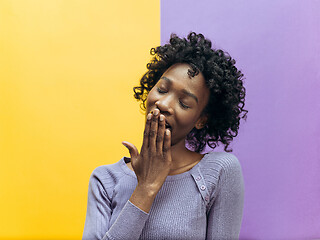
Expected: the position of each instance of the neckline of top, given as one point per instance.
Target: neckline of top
(131, 173)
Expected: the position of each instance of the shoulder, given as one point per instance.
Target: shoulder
(220, 169)
(107, 175)
(221, 162)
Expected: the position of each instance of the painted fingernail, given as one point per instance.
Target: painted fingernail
(156, 112)
(149, 116)
(161, 117)
(167, 132)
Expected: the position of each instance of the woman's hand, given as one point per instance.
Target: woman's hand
(153, 164)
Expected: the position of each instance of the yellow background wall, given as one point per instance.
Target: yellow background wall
(67, 69)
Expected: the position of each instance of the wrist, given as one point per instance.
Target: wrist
(143, 197)
(147, 190)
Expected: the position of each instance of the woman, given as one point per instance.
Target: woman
(192, 94)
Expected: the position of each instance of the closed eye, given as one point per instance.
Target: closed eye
(160, 90)
(183, 105)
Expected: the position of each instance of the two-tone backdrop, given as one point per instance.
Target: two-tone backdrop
(67, 69)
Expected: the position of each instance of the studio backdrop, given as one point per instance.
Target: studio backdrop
(67, 69)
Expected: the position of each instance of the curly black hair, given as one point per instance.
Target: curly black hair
(225, 107)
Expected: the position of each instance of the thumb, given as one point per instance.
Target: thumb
(132, 149)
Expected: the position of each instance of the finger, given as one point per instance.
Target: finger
(153, 130)
(167, 145)
(132, 150)
(161, 132)
(145, 141)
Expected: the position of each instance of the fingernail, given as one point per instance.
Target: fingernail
(149, 116)
(156, 112)
(167, 132)
(161, 117)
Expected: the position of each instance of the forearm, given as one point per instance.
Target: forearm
(133, 216)
(129, 223)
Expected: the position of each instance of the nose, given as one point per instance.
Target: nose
(164, 104)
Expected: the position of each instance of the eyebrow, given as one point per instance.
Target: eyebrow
(186, 92)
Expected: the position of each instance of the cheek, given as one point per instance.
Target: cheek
(187, 120)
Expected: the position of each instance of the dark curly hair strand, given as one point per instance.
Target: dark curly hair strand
(225, 107)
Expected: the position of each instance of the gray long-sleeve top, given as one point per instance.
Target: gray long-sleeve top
(205, 202)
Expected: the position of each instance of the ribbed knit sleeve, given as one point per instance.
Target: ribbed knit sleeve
(225, 214)
(128, 224)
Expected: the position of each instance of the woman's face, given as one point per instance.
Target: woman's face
(181, 99)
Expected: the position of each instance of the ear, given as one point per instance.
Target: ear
(201, 122)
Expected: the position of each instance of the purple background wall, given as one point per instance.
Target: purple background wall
(277, 46)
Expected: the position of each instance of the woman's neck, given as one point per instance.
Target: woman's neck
(183, 159)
